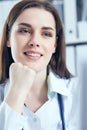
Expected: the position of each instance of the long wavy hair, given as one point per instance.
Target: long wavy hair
(58, 59)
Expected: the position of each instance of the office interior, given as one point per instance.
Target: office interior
(74, 17)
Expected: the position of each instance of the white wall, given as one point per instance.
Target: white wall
(82, 72)
(5, 7)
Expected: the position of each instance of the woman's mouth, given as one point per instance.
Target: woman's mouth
(33, 55)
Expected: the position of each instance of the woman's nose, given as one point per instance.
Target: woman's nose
(34, 41)
(33, 44)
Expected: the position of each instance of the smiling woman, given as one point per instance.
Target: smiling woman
(35, 82)
(33, 44)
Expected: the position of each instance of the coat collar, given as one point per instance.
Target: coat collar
(57, 85)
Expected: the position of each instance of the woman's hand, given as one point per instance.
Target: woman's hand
(21, 77)
(21, 81)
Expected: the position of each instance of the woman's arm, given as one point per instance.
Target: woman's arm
(21, 80)
(11, 115)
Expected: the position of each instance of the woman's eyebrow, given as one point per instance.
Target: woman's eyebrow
(48, 28)
(44, 28)
(25, 24)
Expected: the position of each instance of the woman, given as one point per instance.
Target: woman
(36, 87)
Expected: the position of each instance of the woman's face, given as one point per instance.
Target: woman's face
(33, 38)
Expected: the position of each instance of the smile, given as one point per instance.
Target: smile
(31, 55)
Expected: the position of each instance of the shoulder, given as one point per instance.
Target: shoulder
(72, 83)
(70, 92)
(72, 102)
(62, 85)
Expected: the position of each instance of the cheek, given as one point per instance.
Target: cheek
(16, 42)
(15, 47)
(53, 45)
(15, 38)
(22, 39)
(51, 48)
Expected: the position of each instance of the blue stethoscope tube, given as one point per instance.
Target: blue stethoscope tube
(61, 108)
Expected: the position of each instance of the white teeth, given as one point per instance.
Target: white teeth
(32, 54)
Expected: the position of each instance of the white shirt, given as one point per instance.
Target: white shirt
(48, 116)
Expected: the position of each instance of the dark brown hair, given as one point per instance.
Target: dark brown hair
(57, 62)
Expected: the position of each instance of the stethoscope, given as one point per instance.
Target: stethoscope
(61, 108)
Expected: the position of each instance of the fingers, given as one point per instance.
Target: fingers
(21, 75)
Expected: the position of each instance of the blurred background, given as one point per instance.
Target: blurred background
(74, 17)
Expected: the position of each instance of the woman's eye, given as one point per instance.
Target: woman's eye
(47, 34)
(24, 31)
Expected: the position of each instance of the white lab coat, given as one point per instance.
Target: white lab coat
(48, 116)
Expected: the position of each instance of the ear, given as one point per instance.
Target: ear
(8, 44)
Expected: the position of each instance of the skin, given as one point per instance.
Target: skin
(32, 41)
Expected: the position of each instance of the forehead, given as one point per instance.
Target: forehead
(36, 16)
